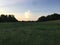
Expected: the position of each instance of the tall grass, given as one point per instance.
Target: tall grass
(30, 33)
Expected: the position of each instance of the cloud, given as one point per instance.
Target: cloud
(27, 14)
(11, 2)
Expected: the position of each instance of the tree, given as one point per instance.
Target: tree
(42, 18)
(7, 18)
(51, 17)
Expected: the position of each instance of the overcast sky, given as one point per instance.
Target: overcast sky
(29, 9)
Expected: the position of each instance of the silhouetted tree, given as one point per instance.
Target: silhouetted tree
(42, 18)
(7, 18)
(51, 17)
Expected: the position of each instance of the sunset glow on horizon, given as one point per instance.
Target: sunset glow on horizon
(29, 9)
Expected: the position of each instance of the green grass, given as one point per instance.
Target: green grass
(30, 33)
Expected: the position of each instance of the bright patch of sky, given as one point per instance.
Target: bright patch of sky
(36, 7)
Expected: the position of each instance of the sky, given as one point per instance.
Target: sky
(25, 10)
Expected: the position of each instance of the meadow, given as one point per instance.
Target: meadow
(30, 33)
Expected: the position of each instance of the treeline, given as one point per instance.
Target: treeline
(7, 18)
(11, 18)
(51, 17)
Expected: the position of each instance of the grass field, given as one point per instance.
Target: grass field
(30, 33)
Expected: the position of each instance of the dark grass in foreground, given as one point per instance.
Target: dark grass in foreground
(30, 33)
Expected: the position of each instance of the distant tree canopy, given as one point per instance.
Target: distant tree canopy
(51, 17)
(7, 18)
(11, 18)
